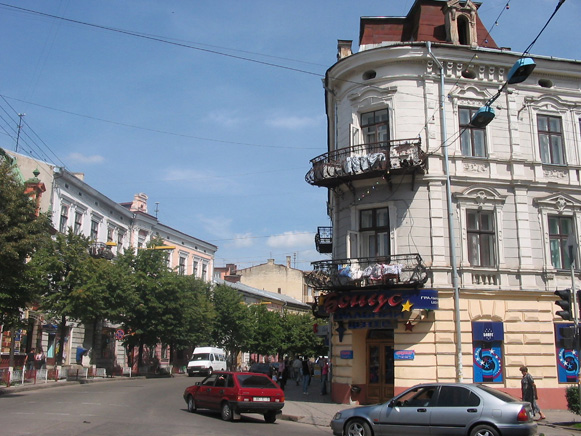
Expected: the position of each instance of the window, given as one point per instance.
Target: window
(204, 270)
(110, 233)
(454, 396)
(481, 236)
(78, 223)
(182, 266)
(559, 230)
(64, 218)
(375, 127)
(374, 228)
(472, 139)
(94, 229)
(551, 139)
(120, 237)
(195, 270)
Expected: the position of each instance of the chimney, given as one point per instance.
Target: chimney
(288, 261)
(344, 48)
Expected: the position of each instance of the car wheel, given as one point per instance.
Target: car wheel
(357, 427)
(191, 404)
(226, 411)
(210, 370)
(270, 417)
(484, 430)
(190, 374)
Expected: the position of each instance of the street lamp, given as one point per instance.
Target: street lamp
(519, 72)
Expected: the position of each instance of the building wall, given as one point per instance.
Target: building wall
(511, 181)
(281, 279)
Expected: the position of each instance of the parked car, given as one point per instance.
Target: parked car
(269, 369)
(440, 409)
(233, 393)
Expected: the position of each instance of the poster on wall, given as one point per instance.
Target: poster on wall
(567, 357)
(487, 338)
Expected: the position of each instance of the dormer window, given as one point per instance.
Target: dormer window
(461, 22)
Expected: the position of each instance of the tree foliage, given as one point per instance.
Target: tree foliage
(21, 232)
(232, 326)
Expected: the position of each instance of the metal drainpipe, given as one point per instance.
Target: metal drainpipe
(458, 326)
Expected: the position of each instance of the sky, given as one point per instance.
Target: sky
(212, 109)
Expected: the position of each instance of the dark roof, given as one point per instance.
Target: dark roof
(425, 21)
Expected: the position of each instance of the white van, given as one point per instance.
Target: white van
(205, 360)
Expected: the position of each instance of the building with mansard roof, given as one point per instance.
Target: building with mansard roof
(448, 240)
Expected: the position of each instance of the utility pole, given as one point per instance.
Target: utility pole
(18, 132)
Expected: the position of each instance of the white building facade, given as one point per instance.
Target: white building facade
(394, 110)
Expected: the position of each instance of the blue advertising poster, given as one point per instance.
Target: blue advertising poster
(487, 340)
(567, 358)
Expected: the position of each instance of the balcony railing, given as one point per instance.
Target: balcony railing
(357, 273)
(324, 240)
(101, 250)
(366, 161)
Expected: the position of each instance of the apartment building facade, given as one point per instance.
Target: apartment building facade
(112, 228)
(419, 196)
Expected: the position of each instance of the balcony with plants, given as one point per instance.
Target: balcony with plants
(399, 270)
(404, 156)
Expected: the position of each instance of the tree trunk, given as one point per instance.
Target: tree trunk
(12, 344)
(63, 330)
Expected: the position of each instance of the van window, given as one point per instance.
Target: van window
(201, 356)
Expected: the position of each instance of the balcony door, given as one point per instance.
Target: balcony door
(380, 371)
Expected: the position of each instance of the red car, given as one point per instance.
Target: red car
(233, 393)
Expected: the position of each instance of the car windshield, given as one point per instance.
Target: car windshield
(255, 381)
(202, 356)
(498, 394)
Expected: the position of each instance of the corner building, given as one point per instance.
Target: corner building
(399, 130)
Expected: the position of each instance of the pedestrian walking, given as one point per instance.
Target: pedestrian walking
(297, 368)
(40, 359)
(29, 360)
(529, 391)
(324, 376)
(306, 373)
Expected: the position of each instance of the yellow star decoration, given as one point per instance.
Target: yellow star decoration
(406, 306)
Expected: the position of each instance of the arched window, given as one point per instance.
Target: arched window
(463, 30)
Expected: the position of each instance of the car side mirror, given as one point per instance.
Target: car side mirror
(198, 383)
(391, 403)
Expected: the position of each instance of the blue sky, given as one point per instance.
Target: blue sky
(220, 135)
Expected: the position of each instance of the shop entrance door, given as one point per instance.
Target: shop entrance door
(380, 378)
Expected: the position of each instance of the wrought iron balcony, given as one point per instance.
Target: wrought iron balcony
(101, 250)
(403, 270)
(366, 161)
(324, 240)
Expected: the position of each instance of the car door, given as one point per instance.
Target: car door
(408, 414)
(204, 394)
(455, 409)
(217, 392)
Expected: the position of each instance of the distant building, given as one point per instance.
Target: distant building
(272, 277)
(112, 228)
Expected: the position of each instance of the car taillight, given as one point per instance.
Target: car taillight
(242, 399)
(523, 415)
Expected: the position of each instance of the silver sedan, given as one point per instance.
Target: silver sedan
(445, 409)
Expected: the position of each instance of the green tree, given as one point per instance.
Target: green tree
(266, 332)
(21, 232)
(299, 337)
(232, 327)
(61, 269)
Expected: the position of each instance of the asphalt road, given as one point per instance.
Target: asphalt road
(143, 407)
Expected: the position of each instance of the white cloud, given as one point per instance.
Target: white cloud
(243, 240)
(292, 240)
(294, 122)
(81, 158)
(200, 180)
(223, 118)
(217, 226)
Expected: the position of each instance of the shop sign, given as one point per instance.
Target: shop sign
(382, 301)
(404, 354)
(346, 354)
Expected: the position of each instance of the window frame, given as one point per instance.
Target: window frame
(548, 154)
(64, 217)
(377, 123)
(468, 132)
(485, 250)
(374, 239)
(562, 240)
